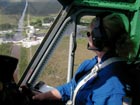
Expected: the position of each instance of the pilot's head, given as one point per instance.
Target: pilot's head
(110, 32)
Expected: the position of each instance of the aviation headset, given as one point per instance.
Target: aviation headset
(100, 38)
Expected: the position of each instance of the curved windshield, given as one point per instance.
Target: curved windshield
(23, 25)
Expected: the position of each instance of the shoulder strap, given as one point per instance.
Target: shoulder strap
(107, 62)
(110, 61)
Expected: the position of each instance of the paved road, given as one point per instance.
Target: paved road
(15, 52)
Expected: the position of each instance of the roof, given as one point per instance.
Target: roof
(118, 4)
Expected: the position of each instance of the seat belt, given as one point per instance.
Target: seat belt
(92, 74)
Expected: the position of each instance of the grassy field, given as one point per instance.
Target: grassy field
(11, 19)
(55, 72)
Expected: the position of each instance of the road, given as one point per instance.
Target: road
(15, 52)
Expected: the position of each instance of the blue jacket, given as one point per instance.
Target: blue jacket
(106, 89)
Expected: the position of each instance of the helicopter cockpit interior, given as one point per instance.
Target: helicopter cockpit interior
(64, 46)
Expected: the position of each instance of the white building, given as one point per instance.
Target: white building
(30, 31)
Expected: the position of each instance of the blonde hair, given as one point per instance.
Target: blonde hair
(118, 35)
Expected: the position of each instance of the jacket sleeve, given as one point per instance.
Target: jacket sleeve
(67, 89)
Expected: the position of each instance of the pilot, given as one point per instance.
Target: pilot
(108, 37)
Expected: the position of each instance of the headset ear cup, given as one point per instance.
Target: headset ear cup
(99, 35)
(98, 43)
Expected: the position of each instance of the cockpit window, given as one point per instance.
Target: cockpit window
(70, 51)
(23, 25)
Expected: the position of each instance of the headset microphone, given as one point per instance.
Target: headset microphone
(89, 48)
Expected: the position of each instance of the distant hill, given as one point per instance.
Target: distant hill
(35, 8)
(43, 8)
